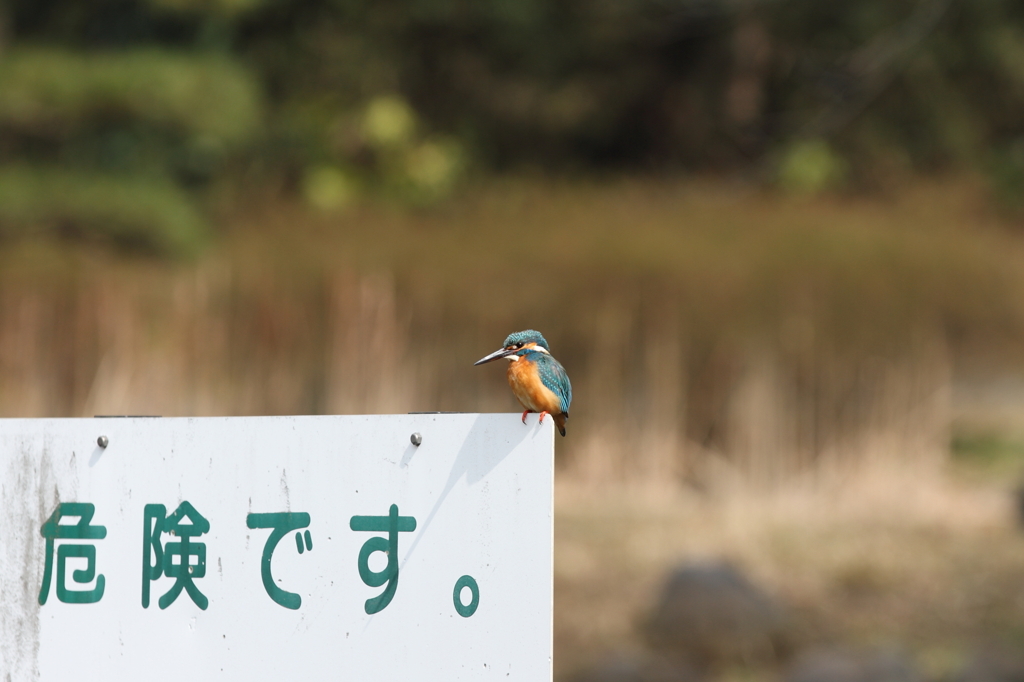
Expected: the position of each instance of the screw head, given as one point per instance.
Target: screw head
(103, 441)
(416, 439)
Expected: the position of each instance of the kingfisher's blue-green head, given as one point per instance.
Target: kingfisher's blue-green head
(518, 345)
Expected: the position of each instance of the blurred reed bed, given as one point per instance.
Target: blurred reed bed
(712, 333)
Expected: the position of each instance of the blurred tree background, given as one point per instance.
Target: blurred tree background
(776, 243)
(124, 119)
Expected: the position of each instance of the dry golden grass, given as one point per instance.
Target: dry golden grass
(694, 317)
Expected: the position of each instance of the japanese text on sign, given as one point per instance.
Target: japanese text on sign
(182, 556)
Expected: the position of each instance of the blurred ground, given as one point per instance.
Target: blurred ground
(920, 561)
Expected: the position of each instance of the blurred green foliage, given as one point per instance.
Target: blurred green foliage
(211, 7)
(987, 454)
(811, 166)
(1006, 170)
(988, 446)
(334, 99)
(152, 214)
(61, 93)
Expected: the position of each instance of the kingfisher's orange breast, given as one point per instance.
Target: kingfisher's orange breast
(525, 381)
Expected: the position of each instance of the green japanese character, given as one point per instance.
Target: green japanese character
(282, 523)
(52, 530)
(393, 524)
(184, 571)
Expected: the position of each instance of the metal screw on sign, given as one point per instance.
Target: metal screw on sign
(103, 441)
(416, 439)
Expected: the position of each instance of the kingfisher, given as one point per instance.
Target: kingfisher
(538, 381)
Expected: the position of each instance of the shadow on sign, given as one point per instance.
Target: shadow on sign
(480, 453)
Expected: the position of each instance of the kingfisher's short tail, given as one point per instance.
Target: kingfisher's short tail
(560, 422)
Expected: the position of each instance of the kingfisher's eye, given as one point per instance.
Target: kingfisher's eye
(520, 344)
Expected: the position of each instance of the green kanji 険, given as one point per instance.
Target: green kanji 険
(185, 523)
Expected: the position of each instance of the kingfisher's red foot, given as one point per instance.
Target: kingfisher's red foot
(542, 415)
(525, 412)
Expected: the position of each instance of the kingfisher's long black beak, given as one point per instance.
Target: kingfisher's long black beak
(496, 355)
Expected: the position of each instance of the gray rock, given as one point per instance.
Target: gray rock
(710, 614)
(993, 665)
(638, 669)
(846, 665)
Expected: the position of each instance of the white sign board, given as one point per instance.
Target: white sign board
(280, 548)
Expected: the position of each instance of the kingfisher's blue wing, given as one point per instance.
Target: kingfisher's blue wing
(553, 376)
